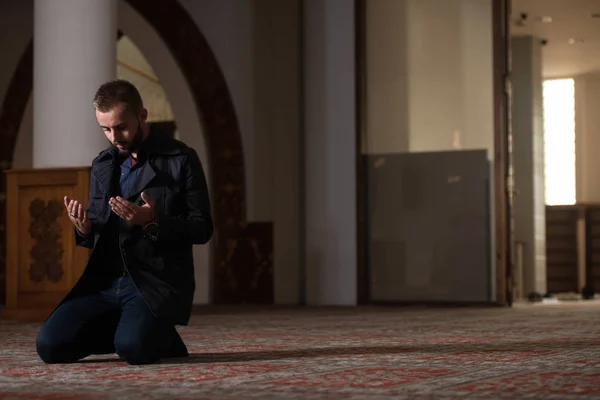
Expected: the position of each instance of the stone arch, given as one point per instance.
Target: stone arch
(223, 140)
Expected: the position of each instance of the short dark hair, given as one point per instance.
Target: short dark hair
(118, 91)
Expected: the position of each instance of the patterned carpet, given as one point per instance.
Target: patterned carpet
(543, 351)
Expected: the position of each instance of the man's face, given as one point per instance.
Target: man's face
(122, 128)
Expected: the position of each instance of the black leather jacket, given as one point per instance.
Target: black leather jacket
(161, 265)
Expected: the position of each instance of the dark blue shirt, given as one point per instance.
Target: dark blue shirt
(129, 174)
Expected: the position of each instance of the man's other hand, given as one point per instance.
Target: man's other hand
(137, 215)
(78, 216)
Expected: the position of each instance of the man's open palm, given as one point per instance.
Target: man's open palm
(78, 215)
(137, 215)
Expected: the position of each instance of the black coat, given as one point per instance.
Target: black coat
(162, 269)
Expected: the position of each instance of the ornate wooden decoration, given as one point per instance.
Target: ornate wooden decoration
(246, 270)
(47, 252)
(43, 263)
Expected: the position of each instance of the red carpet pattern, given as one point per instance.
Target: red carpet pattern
(544, 351)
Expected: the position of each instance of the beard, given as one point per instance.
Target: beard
(132, 146)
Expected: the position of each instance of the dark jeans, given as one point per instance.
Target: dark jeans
(116, 319)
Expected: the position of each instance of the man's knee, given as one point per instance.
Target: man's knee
(51, 350)
(134, 352)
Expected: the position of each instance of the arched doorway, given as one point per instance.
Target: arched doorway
(234, 259)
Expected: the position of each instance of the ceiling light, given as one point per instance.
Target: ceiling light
(575, 41)
(546, 19)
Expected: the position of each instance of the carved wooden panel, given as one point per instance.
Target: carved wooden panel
(43, 262)
(47, 250)
(246, 271)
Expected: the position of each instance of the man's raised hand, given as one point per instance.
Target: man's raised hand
(137, 215)
(78, 216)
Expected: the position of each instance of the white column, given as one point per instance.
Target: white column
(528, 145)
(74, 53)
(330, 152)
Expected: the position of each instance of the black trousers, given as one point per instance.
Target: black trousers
(114, 320)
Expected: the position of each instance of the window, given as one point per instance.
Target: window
(559, 141)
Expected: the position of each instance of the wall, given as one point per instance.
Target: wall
(429, 76)
(228, 26)
(16, 23)
(23, 153)
(277, 138)
(422, 97)
(257, 45)
(133, 66)
(528, 160)
(587, 137)
(429, 79)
